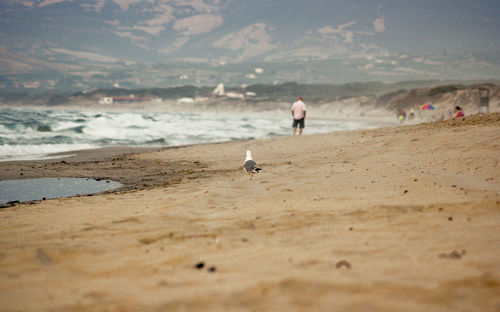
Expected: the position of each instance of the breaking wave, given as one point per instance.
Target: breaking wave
(26, 132)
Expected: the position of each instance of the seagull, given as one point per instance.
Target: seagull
(250, 166)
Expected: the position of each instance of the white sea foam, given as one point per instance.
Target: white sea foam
(26, 132)
(25, 152)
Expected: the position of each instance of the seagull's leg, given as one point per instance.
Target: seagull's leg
(251, 175)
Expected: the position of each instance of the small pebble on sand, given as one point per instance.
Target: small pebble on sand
(200, 265)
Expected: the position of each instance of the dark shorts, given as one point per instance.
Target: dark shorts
(301, 122)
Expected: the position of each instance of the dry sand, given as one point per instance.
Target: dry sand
(392, 219)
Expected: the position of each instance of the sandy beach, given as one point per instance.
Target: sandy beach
(392, 219)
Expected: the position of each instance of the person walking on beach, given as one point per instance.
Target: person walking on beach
(299, 115)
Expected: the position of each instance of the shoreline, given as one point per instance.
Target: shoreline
(322, 119)
(385, 219)
(62, 164)
(67, 164)
(107, 163)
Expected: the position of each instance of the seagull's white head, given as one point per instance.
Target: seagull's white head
(249, 156)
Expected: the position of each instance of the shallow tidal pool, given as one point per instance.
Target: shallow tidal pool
(46, 188)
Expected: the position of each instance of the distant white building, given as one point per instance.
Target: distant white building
(235, 95)
(106, 100)
(219, 91)
(31, 84)
(259, 70)
(185, 100)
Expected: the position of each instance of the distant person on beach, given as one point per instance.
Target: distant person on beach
(411, 116)
(401, 116)
(458, 112)
(299, 115)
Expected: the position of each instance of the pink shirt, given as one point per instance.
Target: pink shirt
(298, 109)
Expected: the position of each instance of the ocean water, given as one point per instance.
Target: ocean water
(33, 134)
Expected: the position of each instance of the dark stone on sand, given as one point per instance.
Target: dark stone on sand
(212, 269)
(350, 229)
(450, 218)
(406, 191)
(200, 265)
(343, 263)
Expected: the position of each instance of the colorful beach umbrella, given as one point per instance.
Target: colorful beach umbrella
(427, 106)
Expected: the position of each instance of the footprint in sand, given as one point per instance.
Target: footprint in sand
(127, 220)
(453, 255)
(343, 263)
(43, 257)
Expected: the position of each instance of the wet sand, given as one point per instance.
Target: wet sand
(109, 163)
(393, 219)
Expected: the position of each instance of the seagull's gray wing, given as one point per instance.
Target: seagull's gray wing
(251, 166)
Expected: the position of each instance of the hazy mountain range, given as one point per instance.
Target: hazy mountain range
(206, 41)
